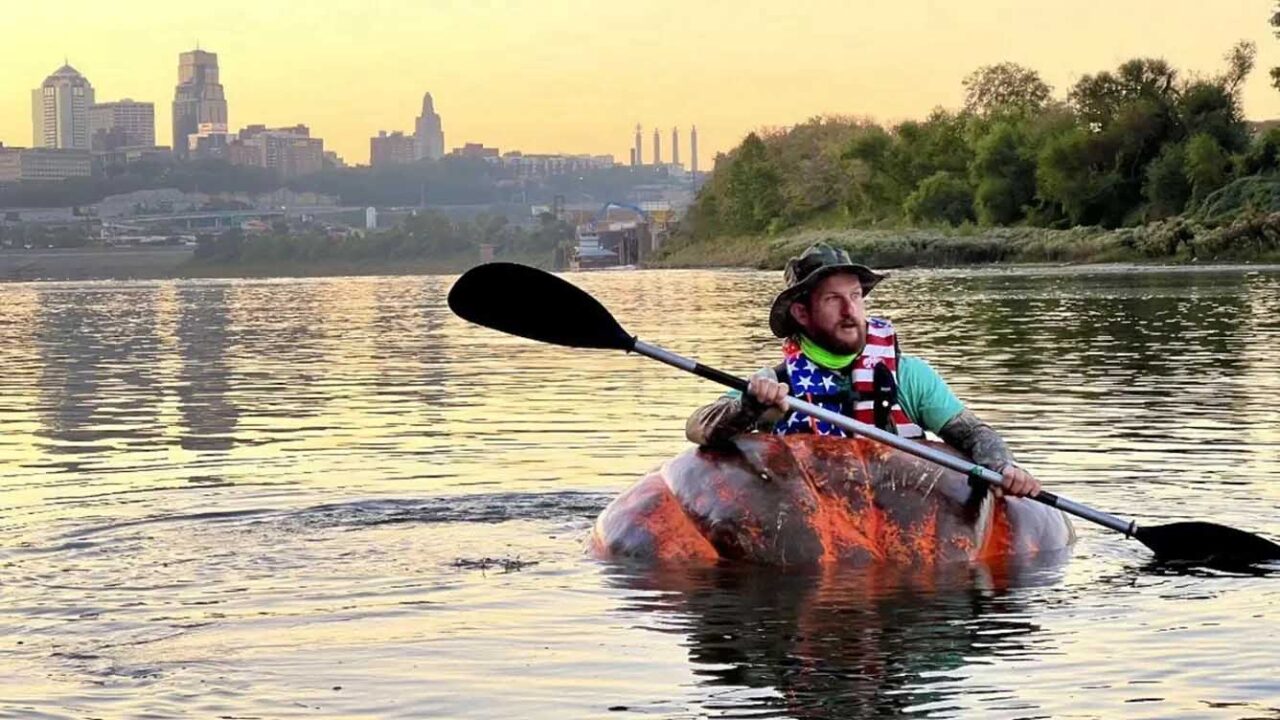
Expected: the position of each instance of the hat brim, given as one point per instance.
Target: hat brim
(780, 320)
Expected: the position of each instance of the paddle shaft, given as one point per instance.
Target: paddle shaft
(925, 452)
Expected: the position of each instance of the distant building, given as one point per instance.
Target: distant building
(391, 149)
(333, 160)
(428, 133)
(657, 147)
(19, 164)
(209, 141)
(125, 123)
(132, 154)
(530, 165)
(289, 151)
(477, 151)
(198, 98)
(675, 146)
(637, 157)
(60, 111)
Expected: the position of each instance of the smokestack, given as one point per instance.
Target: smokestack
(693, 150)
(675, 146)
(657, 147)
(639, 148)
(633, 157)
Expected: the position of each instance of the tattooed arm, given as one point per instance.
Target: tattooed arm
(973, 437)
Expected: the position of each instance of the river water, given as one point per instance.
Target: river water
(262, 499)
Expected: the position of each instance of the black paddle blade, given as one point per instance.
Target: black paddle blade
(1207, 543)
(532, 303)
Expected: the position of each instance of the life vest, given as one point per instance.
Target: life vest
(871, 397)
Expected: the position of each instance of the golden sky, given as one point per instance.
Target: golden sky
(577, 76)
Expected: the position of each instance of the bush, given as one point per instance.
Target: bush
(941, 197)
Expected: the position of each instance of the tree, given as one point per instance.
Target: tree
(1275, 23)
(752, 200)
(1240, 61)
(1098, 98)
(1207, 166)
(1069, 174)
(1167, 189)
(941, 197)
(1005, 86)
(1004, 177)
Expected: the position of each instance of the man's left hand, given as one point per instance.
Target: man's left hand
(1019, 482)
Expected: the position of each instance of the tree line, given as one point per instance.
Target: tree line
(1121, 147)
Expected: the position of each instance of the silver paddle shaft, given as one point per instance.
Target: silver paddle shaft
(968, 468)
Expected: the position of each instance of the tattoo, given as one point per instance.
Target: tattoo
(973, 437)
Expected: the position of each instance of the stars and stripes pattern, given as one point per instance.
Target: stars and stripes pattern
(827, 389)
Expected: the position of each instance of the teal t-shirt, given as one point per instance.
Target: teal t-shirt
(922, 394)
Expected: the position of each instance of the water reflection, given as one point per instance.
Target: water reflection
(839, 642)
(204, 385)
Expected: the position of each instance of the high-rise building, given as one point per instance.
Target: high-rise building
(198, 98)
(675, 146)
(637, 157)
(290, 151)
(693, 150)
(392, 149)
(113, 125)
(60, 111)
(657, 147)
(428, 133)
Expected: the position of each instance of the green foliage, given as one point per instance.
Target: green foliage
(1263, 155)
(752, 199)
(1252, 195)
(943, 197)
(1003, 88)
(1004, 176)
(1167, 189)
(1207, 165)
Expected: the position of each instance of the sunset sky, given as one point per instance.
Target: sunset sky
(578, 76)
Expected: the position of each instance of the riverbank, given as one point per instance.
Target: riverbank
(171, 263)
(1249, 239)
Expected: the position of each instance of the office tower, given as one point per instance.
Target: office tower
(428, 134)
(60, 111)
(198, 99)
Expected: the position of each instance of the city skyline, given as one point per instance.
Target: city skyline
(728, 71)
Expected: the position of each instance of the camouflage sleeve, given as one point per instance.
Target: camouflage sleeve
(973, 437)
(731, 415)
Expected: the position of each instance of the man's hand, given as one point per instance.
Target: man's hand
(1019, 482)
(765, 388)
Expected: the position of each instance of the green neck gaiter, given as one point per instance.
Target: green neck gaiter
(824, 357)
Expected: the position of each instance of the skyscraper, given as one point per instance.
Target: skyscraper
(60, 111)
(675, 146)
(428, 134)
(198, 98)
(120, 124)
(693, 150)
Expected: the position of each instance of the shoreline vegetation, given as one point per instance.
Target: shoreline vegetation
(1140, 163)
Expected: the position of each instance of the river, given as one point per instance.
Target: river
(271, 498)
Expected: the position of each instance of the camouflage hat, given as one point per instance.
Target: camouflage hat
(804, 272)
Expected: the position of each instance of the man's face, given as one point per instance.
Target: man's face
(833, 316)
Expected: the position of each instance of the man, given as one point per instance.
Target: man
(834, 356)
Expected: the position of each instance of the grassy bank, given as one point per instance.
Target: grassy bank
(1253, 238)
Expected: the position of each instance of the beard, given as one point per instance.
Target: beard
(840, 341)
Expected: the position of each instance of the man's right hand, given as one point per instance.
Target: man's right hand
(765, 388)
